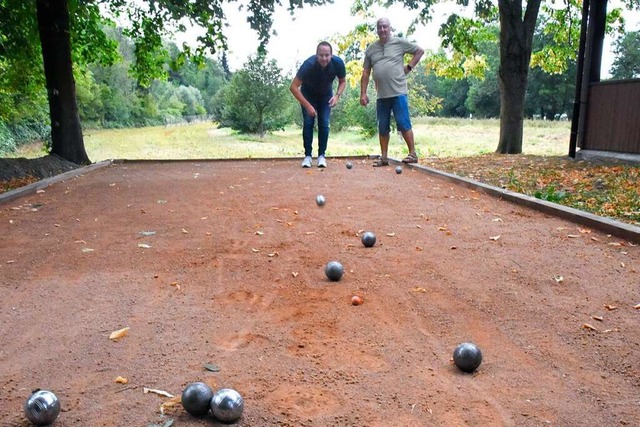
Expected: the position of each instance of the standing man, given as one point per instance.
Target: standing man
(386, 58)
(312, 87)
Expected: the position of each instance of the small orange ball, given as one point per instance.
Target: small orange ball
(356, 300)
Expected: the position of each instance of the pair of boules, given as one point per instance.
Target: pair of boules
(226, 404)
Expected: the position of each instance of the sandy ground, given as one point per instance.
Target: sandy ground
(222, 263)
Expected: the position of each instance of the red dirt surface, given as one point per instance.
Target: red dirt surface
(234, 277)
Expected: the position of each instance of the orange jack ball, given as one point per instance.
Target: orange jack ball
(356, 300)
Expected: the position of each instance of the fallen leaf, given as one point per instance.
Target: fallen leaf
(622, 264)
(637, 306)
(146, 233)
(294, 273)
(121, 380)
(259, 233)
(595, 239)
(254, 250)
(273, 254)
(211, 367)
(497, 220)
(144, 246)
(418, 289)
(610, 307)
(584, 230)
(494, 238)
(558, 278)
(598, 318)
(184, 231)
(418, 226)
(391, 234)
(572, 236)
(87, 250)
(310, 232)
(454, 247)
(614, 244)
(590, 327)
(156, 391)
(119, 333)
(171, 403)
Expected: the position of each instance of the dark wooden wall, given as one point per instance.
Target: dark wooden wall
(613, 117)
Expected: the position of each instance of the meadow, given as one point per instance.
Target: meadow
(435, 137)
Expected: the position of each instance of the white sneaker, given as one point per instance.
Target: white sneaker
(322, 162)
(306, 163)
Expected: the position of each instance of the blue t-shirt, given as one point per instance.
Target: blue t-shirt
(317, 81)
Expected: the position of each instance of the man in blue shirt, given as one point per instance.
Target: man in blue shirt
(313, 88)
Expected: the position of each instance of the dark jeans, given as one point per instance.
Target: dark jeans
(321, 104)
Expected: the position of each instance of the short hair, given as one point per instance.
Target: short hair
(325, 43)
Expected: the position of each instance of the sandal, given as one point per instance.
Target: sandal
(381, 161)
(411, 158)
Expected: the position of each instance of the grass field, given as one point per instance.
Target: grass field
(434, 138)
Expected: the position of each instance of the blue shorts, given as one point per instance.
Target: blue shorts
(400, 107)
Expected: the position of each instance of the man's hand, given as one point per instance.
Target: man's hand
(364, 100)
(311, 111)
(333, 101)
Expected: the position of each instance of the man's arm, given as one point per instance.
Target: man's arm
(342, 82)
(297, 94)
(364, 83)
(414, 60)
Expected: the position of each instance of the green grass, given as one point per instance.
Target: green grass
(434, 138)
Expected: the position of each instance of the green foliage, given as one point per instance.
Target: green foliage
(256, 98)
(550, 194)
(626, 64)
(348, 114)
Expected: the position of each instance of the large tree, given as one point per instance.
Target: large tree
(66, 30)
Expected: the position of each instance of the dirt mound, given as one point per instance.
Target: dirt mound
(41, 167)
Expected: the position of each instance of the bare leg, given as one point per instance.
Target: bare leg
(408, 138)
(384, 146)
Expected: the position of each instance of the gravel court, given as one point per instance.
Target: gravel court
(233, 275)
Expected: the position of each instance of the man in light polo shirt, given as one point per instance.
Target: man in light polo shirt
(386, 58)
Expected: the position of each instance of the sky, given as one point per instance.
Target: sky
(298, 35)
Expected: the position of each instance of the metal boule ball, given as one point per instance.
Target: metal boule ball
(196, 398)
(42, 407)
(467, 357)
(227, 405)
(398, 169)
(368, 239)
(349, 165)
(334, 270)
(320, 200)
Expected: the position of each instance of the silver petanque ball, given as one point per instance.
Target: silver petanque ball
(320, 200)
(334, 270)
(196, 398)
(368, 239)
(349, 165)
(227, 405)
(42, 407)
(398, 169)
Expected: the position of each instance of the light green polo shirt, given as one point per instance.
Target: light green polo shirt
(387, 64)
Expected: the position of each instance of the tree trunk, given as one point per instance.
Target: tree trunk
(516, 42)
(66, 134)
